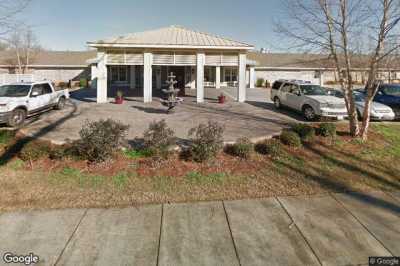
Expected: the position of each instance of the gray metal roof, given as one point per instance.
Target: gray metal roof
(175, 36)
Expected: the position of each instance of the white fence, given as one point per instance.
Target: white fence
(12, 78)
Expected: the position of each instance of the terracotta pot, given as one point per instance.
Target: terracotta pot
(119, 100)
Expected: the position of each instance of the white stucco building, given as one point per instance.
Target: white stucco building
(142, 62)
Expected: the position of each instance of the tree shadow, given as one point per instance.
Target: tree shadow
(16, 148)
(387, 170)
(284, 111)
(339, 187)
(352, 167)
(207, 108)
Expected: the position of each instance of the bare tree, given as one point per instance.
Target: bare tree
(25, 46)
(346, 31)
(9, 9)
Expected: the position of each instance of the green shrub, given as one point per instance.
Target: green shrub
(83, 83)
(134, 154)
(34, 150)
(100, 140)
(290, 138)
(207, 141)
(6, 136)
(306, 132)
(260, 82)
(242, 148)
(158, 138)
(272, 147)
(327, 130)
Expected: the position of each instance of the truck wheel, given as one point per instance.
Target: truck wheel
(17, 118)
(61, 104)
(309, 113)
(277, 103)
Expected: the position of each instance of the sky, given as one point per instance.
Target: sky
(69, 24)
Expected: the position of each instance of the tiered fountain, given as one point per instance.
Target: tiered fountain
(171, 100)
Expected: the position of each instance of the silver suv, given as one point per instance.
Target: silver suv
(312, 100)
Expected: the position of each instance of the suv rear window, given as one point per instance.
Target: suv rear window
(276, 85)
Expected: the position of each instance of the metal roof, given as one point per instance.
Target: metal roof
(173, 36)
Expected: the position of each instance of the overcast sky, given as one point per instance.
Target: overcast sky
(69, 24)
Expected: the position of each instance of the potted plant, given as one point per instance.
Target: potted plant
(221, 98)
(119, 99)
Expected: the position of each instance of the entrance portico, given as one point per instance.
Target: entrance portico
(143, 60)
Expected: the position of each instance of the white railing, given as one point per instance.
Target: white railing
(12, 78)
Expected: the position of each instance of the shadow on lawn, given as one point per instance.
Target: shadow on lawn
(13, 151)
(332, 185)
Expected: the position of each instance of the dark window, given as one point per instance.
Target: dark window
(46, 88)
(277, 85)
(393, 90)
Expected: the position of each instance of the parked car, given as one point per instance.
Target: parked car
(379, 111)
(312, 100)
(20, 100)
(389, 94)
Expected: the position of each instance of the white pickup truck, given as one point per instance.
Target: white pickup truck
(20, 100)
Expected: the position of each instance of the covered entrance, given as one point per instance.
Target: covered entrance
(141, 63)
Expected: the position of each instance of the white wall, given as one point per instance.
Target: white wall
(272, 75)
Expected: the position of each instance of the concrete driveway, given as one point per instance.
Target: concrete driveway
(334, 229)
(255, 119)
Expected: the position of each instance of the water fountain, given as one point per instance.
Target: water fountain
(171, 100)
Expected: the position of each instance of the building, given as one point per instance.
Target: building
(143, 61)
(140, 63)
(56, 66)
(316, 68)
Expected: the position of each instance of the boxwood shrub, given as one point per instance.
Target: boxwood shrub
(290, 138)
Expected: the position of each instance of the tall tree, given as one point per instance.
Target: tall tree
(24, 44)
(346, 31)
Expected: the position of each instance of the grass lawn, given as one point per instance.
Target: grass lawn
(132, 178)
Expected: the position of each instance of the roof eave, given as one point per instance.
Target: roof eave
(163, 46)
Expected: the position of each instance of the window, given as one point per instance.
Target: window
(286, 88)
(392, 90)
(209, 74)
(46, 88)
(119, 73)
(230, 74)
(37, 89)
(277, 85)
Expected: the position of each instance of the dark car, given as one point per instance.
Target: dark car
(389, 94)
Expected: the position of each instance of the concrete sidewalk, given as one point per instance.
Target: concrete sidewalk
(334, 229)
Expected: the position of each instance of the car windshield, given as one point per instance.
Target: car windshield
(393, 90)
(313, 90)
(14, 90)
(359, 97)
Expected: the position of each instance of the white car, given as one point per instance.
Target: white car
(312, 100)
(379, 111)
(19, 100)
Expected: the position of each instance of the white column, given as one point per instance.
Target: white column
(218, 77)
(252, 78)
(321, 78)
(242, 78)
(93, 76)
(147, 77)
(102, 78)
(133, 77)
(200, 77)
(192, 78)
